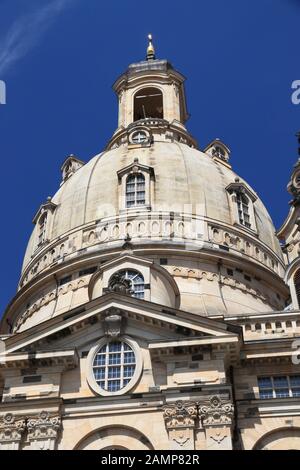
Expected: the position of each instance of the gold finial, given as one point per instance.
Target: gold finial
(150, 49)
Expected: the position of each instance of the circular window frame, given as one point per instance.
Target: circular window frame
(138, 365)
(136, 131)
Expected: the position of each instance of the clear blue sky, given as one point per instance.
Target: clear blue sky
(59, 59)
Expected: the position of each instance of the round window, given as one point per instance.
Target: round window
(115, 366)
(139, 137)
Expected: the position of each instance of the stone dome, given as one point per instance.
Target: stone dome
(186, 181)
(197, 235)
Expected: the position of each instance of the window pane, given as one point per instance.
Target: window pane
(281, 382)
(282, 393)
(114, 385)
(114, 358)
(99, 374)
(265, 393)
(265, 382)
(129, 358)
(296, 392)
(99, 360)
(114, 347)
(295, 380)
(114, 372)
(129, 371)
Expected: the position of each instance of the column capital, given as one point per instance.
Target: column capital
(11, 431)
(216, 412)
(180, 420)
(44, 429)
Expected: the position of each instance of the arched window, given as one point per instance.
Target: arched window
(297, 286)
(136, 281)
(42, 228)
(148, 103)
(135, 190)
(243, 209)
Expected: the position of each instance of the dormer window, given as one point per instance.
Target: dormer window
(242, 204)
(42, 226)
(135, 190)
(136, 186)
(218, 150)
(243, 209)
(148, 103)
(43, 220)
(70, 166)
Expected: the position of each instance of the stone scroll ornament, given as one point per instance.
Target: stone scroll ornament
(180, 420)
(11, 428)
(216, 412)
(43, 427)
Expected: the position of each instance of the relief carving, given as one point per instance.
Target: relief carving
(216, 412)
(11, 429)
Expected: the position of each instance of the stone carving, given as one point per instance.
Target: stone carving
(11, 429)
(118, 283)
(180, 414)
(180, 421)
(218, 437)
(113, 323)
(44, 427)
(216, 412)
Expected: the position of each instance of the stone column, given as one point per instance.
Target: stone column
(43, 431)
(180, 420)
(216, 416)
(12, 429)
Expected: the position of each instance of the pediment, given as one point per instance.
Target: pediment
(157, 326)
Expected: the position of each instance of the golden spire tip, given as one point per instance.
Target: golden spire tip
(150, 49)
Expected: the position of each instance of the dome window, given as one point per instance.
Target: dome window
(134, 279)
(242, 201)
(43, 220)
(136, 186)
(135, 190)
(148, 103)
(70, 166)
(218, 150)
(243, 209)
(42, 225)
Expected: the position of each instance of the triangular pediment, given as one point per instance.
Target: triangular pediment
(158, 327)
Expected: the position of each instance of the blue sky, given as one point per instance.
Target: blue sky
(59, 59)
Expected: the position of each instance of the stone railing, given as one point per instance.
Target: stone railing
(192, 233)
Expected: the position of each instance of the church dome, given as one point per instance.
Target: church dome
(152, 206)
(187, 181)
